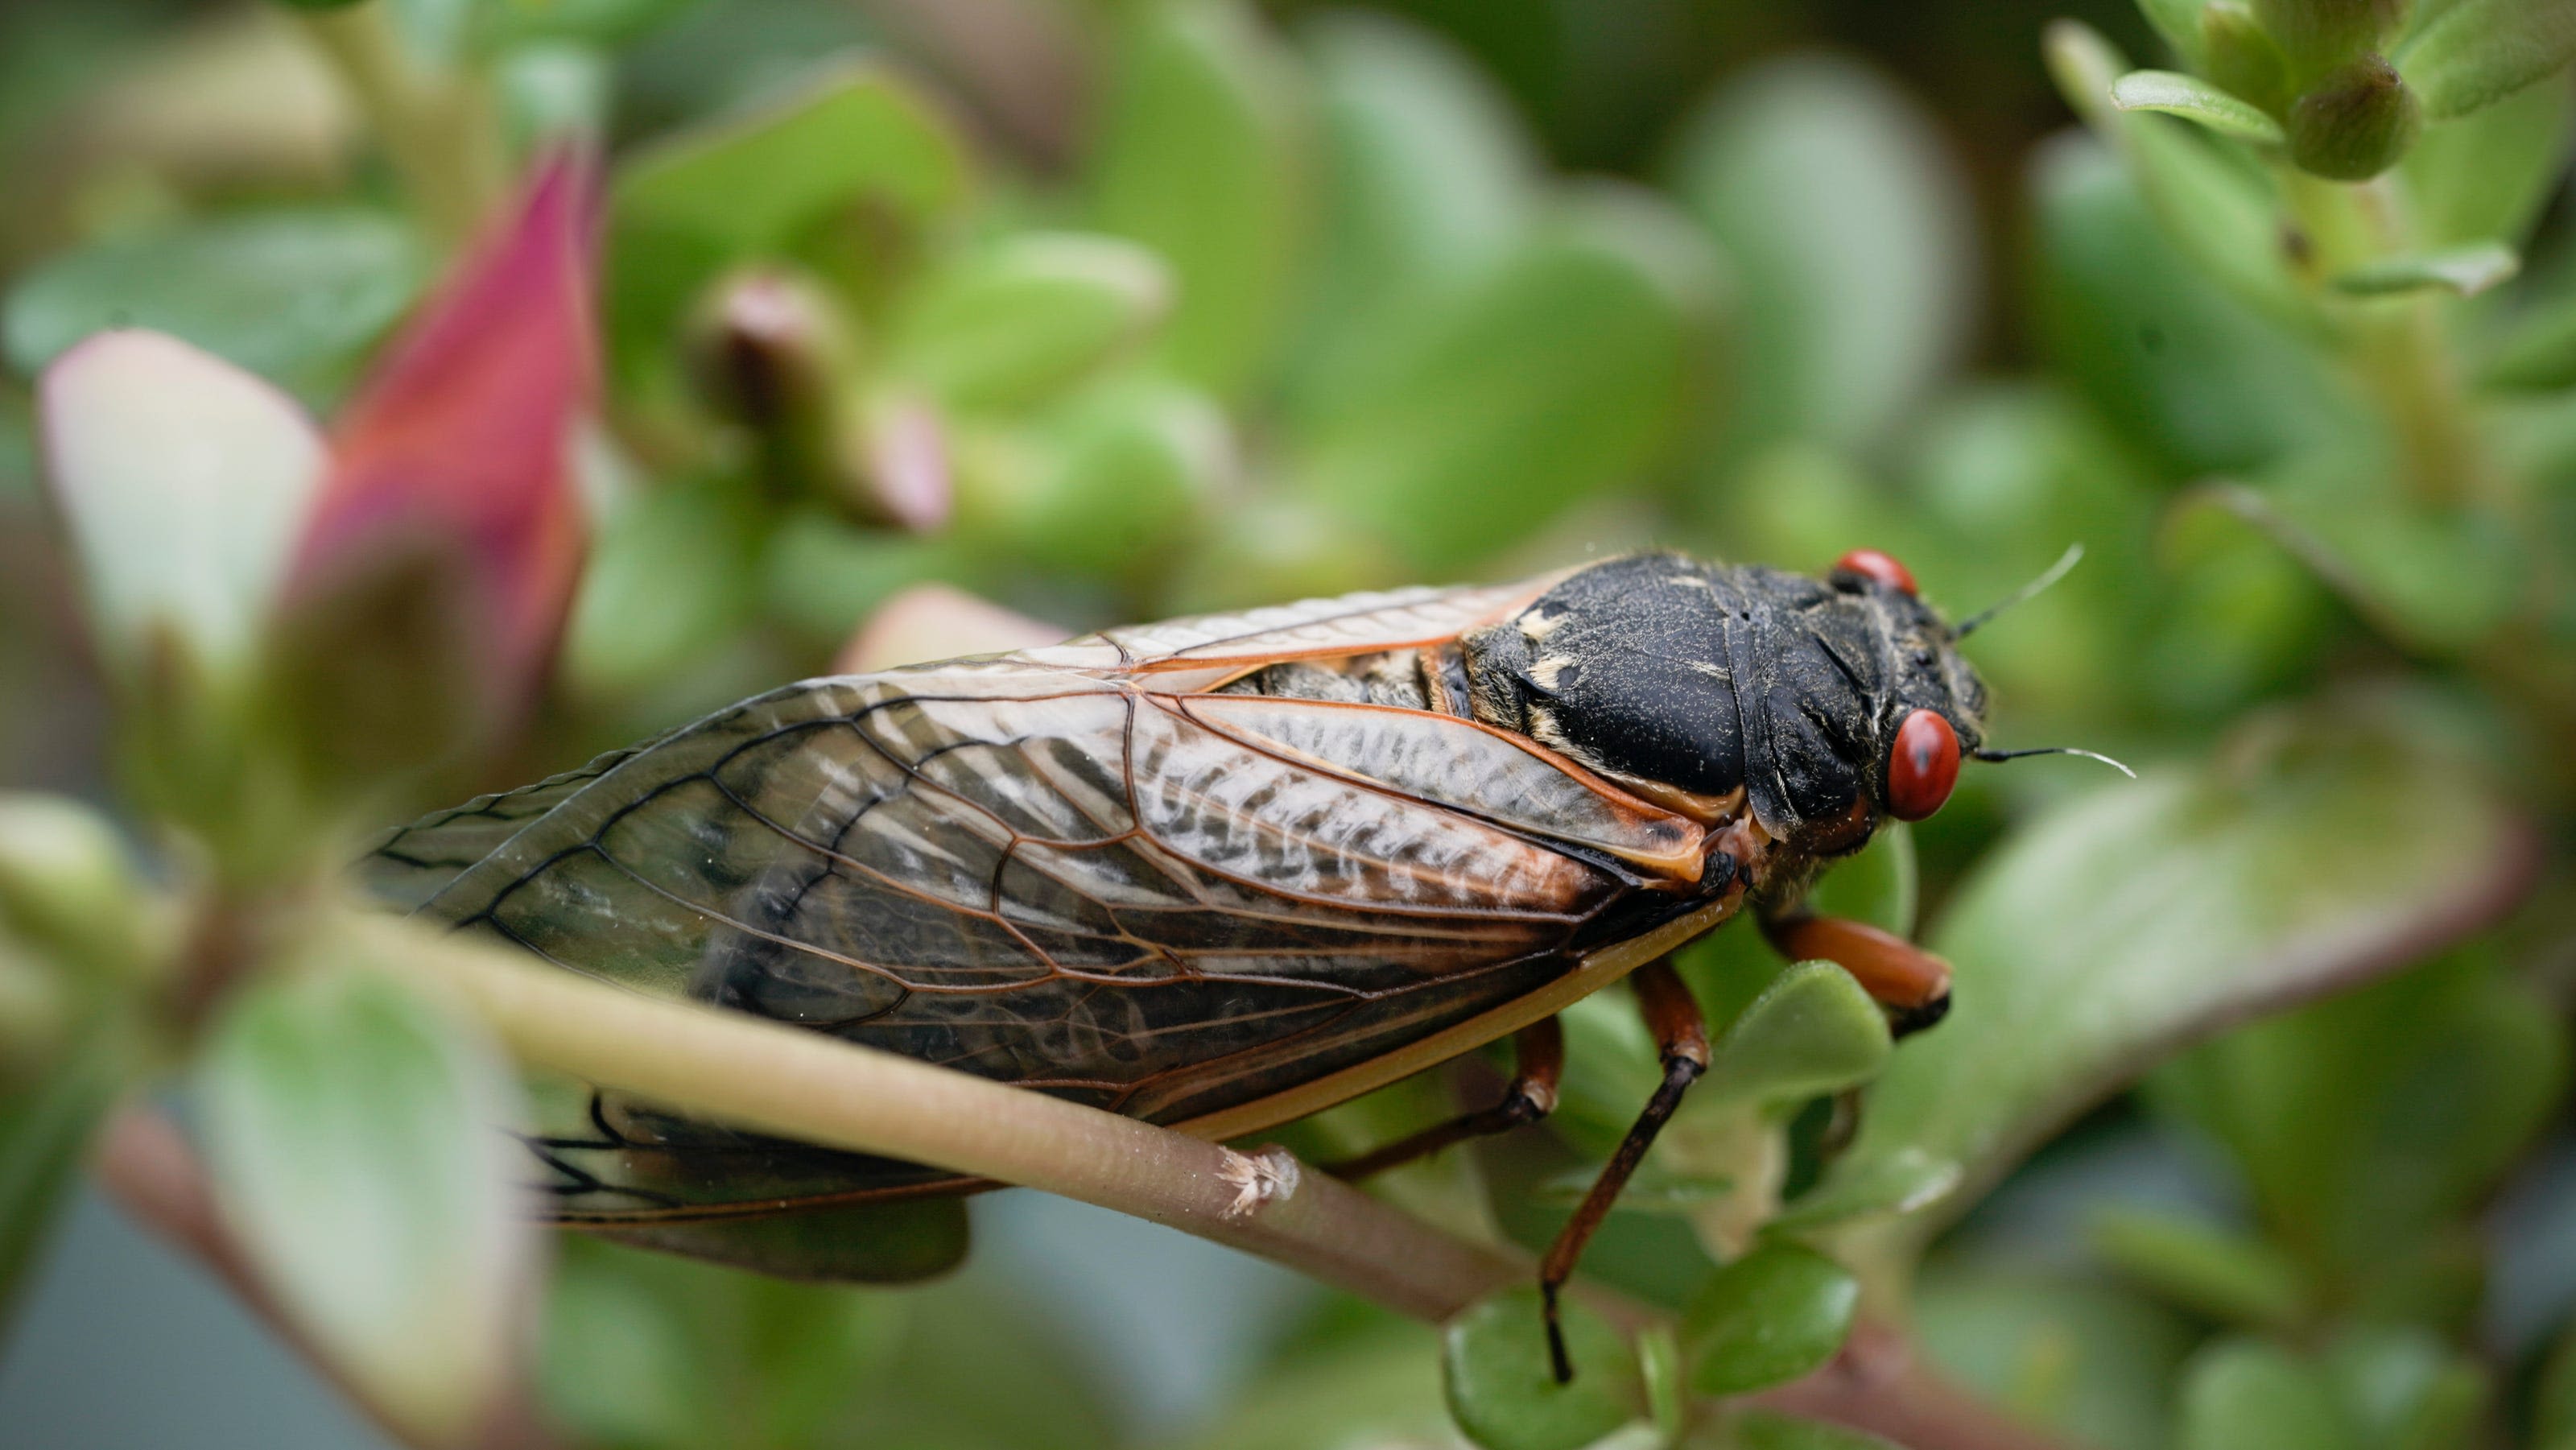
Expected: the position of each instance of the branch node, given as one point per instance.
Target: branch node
(1258, 1178)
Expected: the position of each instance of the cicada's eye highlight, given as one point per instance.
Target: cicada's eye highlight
(1923, 767)
(1872, 564)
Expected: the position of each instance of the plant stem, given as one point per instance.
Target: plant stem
(439, 129)
(800, 1084)
(786, 1080)
(2397, 346)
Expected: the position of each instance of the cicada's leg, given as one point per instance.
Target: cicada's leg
(1538, 1053)
(1911, 983)
(1681, 1036)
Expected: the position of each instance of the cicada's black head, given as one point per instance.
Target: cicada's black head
(1831, 703)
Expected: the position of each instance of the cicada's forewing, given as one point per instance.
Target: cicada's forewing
(1162, 904)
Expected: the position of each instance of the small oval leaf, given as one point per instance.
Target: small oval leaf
(1815, 1031)
(1494, 1364)
(2467, 270)
(1767, 1318)
(2195, 100)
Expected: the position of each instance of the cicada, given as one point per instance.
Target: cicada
(1222, 872)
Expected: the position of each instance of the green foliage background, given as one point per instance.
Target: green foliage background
(1208, 303)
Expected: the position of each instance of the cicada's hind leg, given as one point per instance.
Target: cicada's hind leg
(1681, 1036)
(1910, 983)
(1538, 1053)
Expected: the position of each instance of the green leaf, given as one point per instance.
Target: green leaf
(1502, 1392)
(1476, 415)
(183, 482)
(352, 1126)
(1022, 317)
(2487, 175)
(2106, 933)
(1856, 296)
(2474, 53)
(689, 206)
(2197, 101)
(2198, 1266)
(1900, 1182)
(293, 295)
(2178, 22)
(2466, 270)
(1767, 1318)
(1202, 157)
(2247, 1395)
(1815, 1031)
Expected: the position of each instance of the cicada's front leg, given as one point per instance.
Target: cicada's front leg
(1538, 1052)
(1911, 983)
(1681, 1038)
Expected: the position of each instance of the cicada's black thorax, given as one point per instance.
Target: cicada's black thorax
(1708, 678)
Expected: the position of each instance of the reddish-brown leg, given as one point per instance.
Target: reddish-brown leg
(1681, 1035)
(1911, 983)
(1538, 1052)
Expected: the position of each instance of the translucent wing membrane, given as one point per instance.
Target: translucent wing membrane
(1161, 905)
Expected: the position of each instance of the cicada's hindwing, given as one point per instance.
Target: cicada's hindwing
(1072, 869)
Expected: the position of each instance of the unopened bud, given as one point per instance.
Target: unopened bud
(769, 352)
(2241, 59)
(2355, 123)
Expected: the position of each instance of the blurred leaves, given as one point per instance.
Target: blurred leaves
(696, 203)
(1204, 156)
(289, 295)
(350, 1125)
(1475, 414)
(2468, 54)
(2114, 929)
(2363, 1123)
(1856, 296)
(1020, 318)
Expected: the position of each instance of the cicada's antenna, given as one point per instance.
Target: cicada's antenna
(2074, 555)
(1992, 755)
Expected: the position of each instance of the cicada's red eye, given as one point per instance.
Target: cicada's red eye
(1923, 767)
(1872, 564)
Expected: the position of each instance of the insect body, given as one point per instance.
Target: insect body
(1222, 872)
